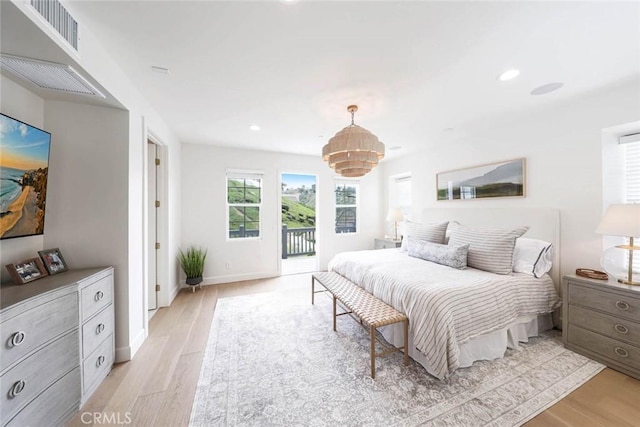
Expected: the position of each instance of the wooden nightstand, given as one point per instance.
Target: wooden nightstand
(386, 243)
(601, 320)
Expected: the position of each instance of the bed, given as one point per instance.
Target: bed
(458, 316)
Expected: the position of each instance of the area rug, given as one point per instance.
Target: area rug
(272, 359)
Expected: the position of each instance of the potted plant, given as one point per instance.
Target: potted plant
(192, 263)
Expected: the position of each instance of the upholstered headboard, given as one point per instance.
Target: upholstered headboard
(544, 224)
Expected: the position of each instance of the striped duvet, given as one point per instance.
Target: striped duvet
(446, 307)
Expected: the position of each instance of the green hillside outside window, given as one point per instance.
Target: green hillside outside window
(244, 198)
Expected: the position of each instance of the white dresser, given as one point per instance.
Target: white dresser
(57, 345)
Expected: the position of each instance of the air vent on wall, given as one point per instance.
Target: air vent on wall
(56, 15)
(48, 75)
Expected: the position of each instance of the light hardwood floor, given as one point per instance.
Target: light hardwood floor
(157, 387)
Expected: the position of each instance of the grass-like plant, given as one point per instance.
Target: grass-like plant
(192, 261)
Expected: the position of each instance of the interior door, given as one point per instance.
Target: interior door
(152, 221)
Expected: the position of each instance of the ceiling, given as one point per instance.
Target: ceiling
(422, 73)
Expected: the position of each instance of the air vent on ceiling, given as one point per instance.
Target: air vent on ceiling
(49, 75)
(56, 15)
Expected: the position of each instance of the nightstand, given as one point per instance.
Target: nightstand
(601, 320)
(386, 243)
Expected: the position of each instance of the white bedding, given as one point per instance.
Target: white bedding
(446, 307)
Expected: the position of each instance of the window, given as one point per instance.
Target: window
(631, 172)
(400, 193)
(244, 199)
(346, 207)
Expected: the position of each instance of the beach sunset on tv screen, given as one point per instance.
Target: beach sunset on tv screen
(24, 166)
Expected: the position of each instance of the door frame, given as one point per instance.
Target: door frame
(318, 222)
(162, 228)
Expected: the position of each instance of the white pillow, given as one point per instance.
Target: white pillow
(430, 232)
(532, 256)
(490, 249)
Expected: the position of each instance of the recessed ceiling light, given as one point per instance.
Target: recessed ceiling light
(508, 75)
(395, 147)
(160, 70)
(254, 128)
(549, 87)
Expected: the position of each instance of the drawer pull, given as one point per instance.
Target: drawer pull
(621, 352)
(99, 295)
(622, 305)
(621, 329)
(100, 328)
(17, 388)
(17, 338)
(100, 361)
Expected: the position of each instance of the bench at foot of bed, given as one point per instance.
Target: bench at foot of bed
(370, 311)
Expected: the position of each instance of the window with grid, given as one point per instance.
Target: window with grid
(346, 206)
(244, 200)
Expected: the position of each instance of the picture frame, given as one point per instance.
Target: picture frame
(27, 271)
(491, 180)
(53, 261)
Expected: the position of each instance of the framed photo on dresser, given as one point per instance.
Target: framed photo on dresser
(27, 271)
(53, 261)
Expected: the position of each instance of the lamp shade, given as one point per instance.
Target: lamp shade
(621, 220)
(394, 215)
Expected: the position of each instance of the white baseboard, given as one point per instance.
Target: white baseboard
(126, 353)
(216, 280)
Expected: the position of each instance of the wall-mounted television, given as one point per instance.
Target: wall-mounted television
(24, 167)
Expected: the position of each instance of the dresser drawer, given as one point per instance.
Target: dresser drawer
(622, 353)
(32, 375)
(54, 406)
(618, 305)
(28, 330)
(96, 329)
(96, 296)
(614, 327)
(98, 364)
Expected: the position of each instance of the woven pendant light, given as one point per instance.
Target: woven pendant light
(353, 151)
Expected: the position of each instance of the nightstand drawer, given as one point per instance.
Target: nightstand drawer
(386, 244)
(615, 350)
(616, 328)
(618, 305)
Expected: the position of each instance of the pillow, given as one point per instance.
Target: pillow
(452, 256)
(532, 256)
(429, 232)
(450, 227)
(490, 249)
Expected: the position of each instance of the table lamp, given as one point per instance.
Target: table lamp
(395, 215)
(621, 220)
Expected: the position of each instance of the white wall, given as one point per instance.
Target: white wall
(204, 210)
(563, 154)
(23, 105)
(129, 163)
(88, 194)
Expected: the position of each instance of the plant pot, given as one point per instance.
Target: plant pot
(193, 280)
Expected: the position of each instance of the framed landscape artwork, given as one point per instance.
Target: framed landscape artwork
(500, 179)
(24, 167)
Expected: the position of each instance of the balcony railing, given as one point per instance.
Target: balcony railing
(298, 241)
